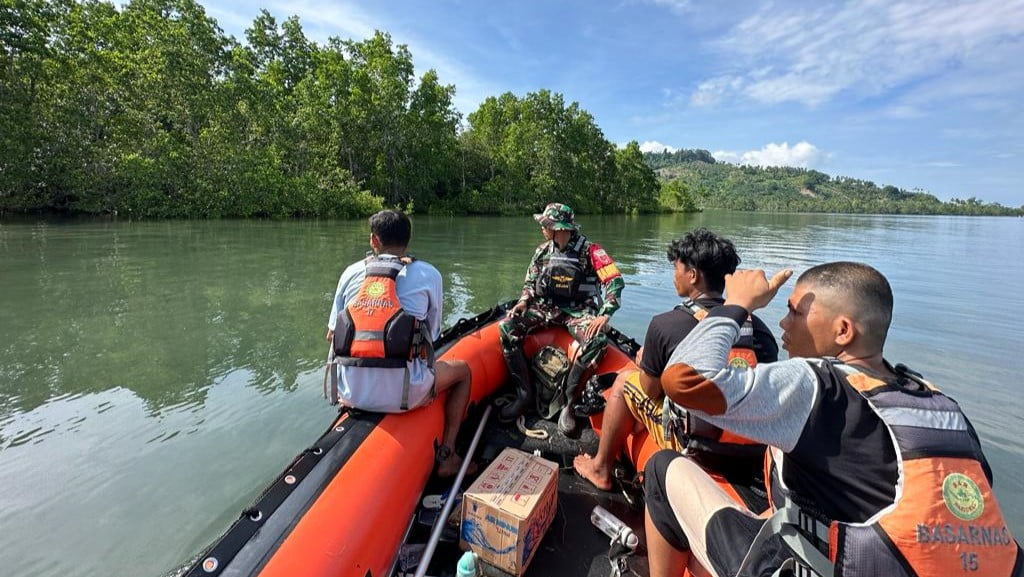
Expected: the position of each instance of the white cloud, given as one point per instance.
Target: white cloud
(787, 53)
(902, 111)
(710, 92)
(943, 164)
(674, 5)
(802, 154)
(231, 22)
(965, 133)
(655, 146)
(321, 20)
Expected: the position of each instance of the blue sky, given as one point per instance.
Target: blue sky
(919, 94)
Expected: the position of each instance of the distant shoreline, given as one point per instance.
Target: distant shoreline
(57, 217)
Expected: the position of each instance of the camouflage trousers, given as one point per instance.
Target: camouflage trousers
(539, 315)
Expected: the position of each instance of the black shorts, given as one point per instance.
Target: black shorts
(728, 534)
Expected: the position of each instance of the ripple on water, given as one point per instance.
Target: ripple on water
(22, 437)
(191, 373)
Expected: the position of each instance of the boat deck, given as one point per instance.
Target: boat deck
(572, 547)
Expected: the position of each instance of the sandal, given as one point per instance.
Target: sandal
(448, 463)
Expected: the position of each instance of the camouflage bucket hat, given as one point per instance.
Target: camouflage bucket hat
(556, 216)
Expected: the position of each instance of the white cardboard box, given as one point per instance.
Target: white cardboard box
(509, 508)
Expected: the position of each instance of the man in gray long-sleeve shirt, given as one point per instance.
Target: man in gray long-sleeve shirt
(875, 471)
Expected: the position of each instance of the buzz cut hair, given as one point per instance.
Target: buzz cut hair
(858, 290)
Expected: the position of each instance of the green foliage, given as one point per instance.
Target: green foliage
(149, 110)
(751, 188)
(638, 189)
(520, 153)
(677, 196)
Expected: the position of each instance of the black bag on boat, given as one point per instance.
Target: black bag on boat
(549, 368)
(592, 400)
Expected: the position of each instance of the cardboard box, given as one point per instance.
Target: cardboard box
(506, 512)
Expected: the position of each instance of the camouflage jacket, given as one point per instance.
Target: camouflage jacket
(597, 263)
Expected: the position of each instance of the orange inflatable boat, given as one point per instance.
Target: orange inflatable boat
(345, 505)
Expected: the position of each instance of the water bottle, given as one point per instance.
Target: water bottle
(613, 527)
(467, 566)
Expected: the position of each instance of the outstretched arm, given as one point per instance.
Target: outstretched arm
(769, 403)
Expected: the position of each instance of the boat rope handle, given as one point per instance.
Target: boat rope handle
(540, 434)
(533, 433)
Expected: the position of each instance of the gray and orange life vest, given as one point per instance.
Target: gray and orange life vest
(696, 435)
(945, 519)
(374, 330)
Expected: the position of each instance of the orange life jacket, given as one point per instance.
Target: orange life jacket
(375, 331)
(945, 519)
(696, 434)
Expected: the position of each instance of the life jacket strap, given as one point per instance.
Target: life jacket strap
(385, 363)
(331, 378)
(673, 424)
(405, 389)
(423, 347)
(800, 569)
(578, 245)
(744, 340)
(693, 438)
(689, 305)
(422, 344)
(809, 561)
(814, 530)
(383, 267)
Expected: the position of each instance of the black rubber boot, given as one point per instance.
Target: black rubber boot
(520, 375)
(567, 423)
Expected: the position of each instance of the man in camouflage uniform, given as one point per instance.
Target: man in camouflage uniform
(562, 287)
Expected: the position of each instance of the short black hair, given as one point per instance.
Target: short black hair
(392, 227)
(712, 255)
(862, 292)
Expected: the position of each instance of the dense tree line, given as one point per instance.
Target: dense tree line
(522, 152)
(666, 159)
(151, 110)
(700, 182)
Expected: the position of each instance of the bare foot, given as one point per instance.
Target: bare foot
(588, 468)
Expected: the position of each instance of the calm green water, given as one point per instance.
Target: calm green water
(155, 376)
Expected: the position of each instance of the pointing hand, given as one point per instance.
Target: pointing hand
(751, 289)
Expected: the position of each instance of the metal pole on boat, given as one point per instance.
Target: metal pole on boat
(435, 533)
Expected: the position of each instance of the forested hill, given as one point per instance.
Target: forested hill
(693, 179)
(147, 109)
